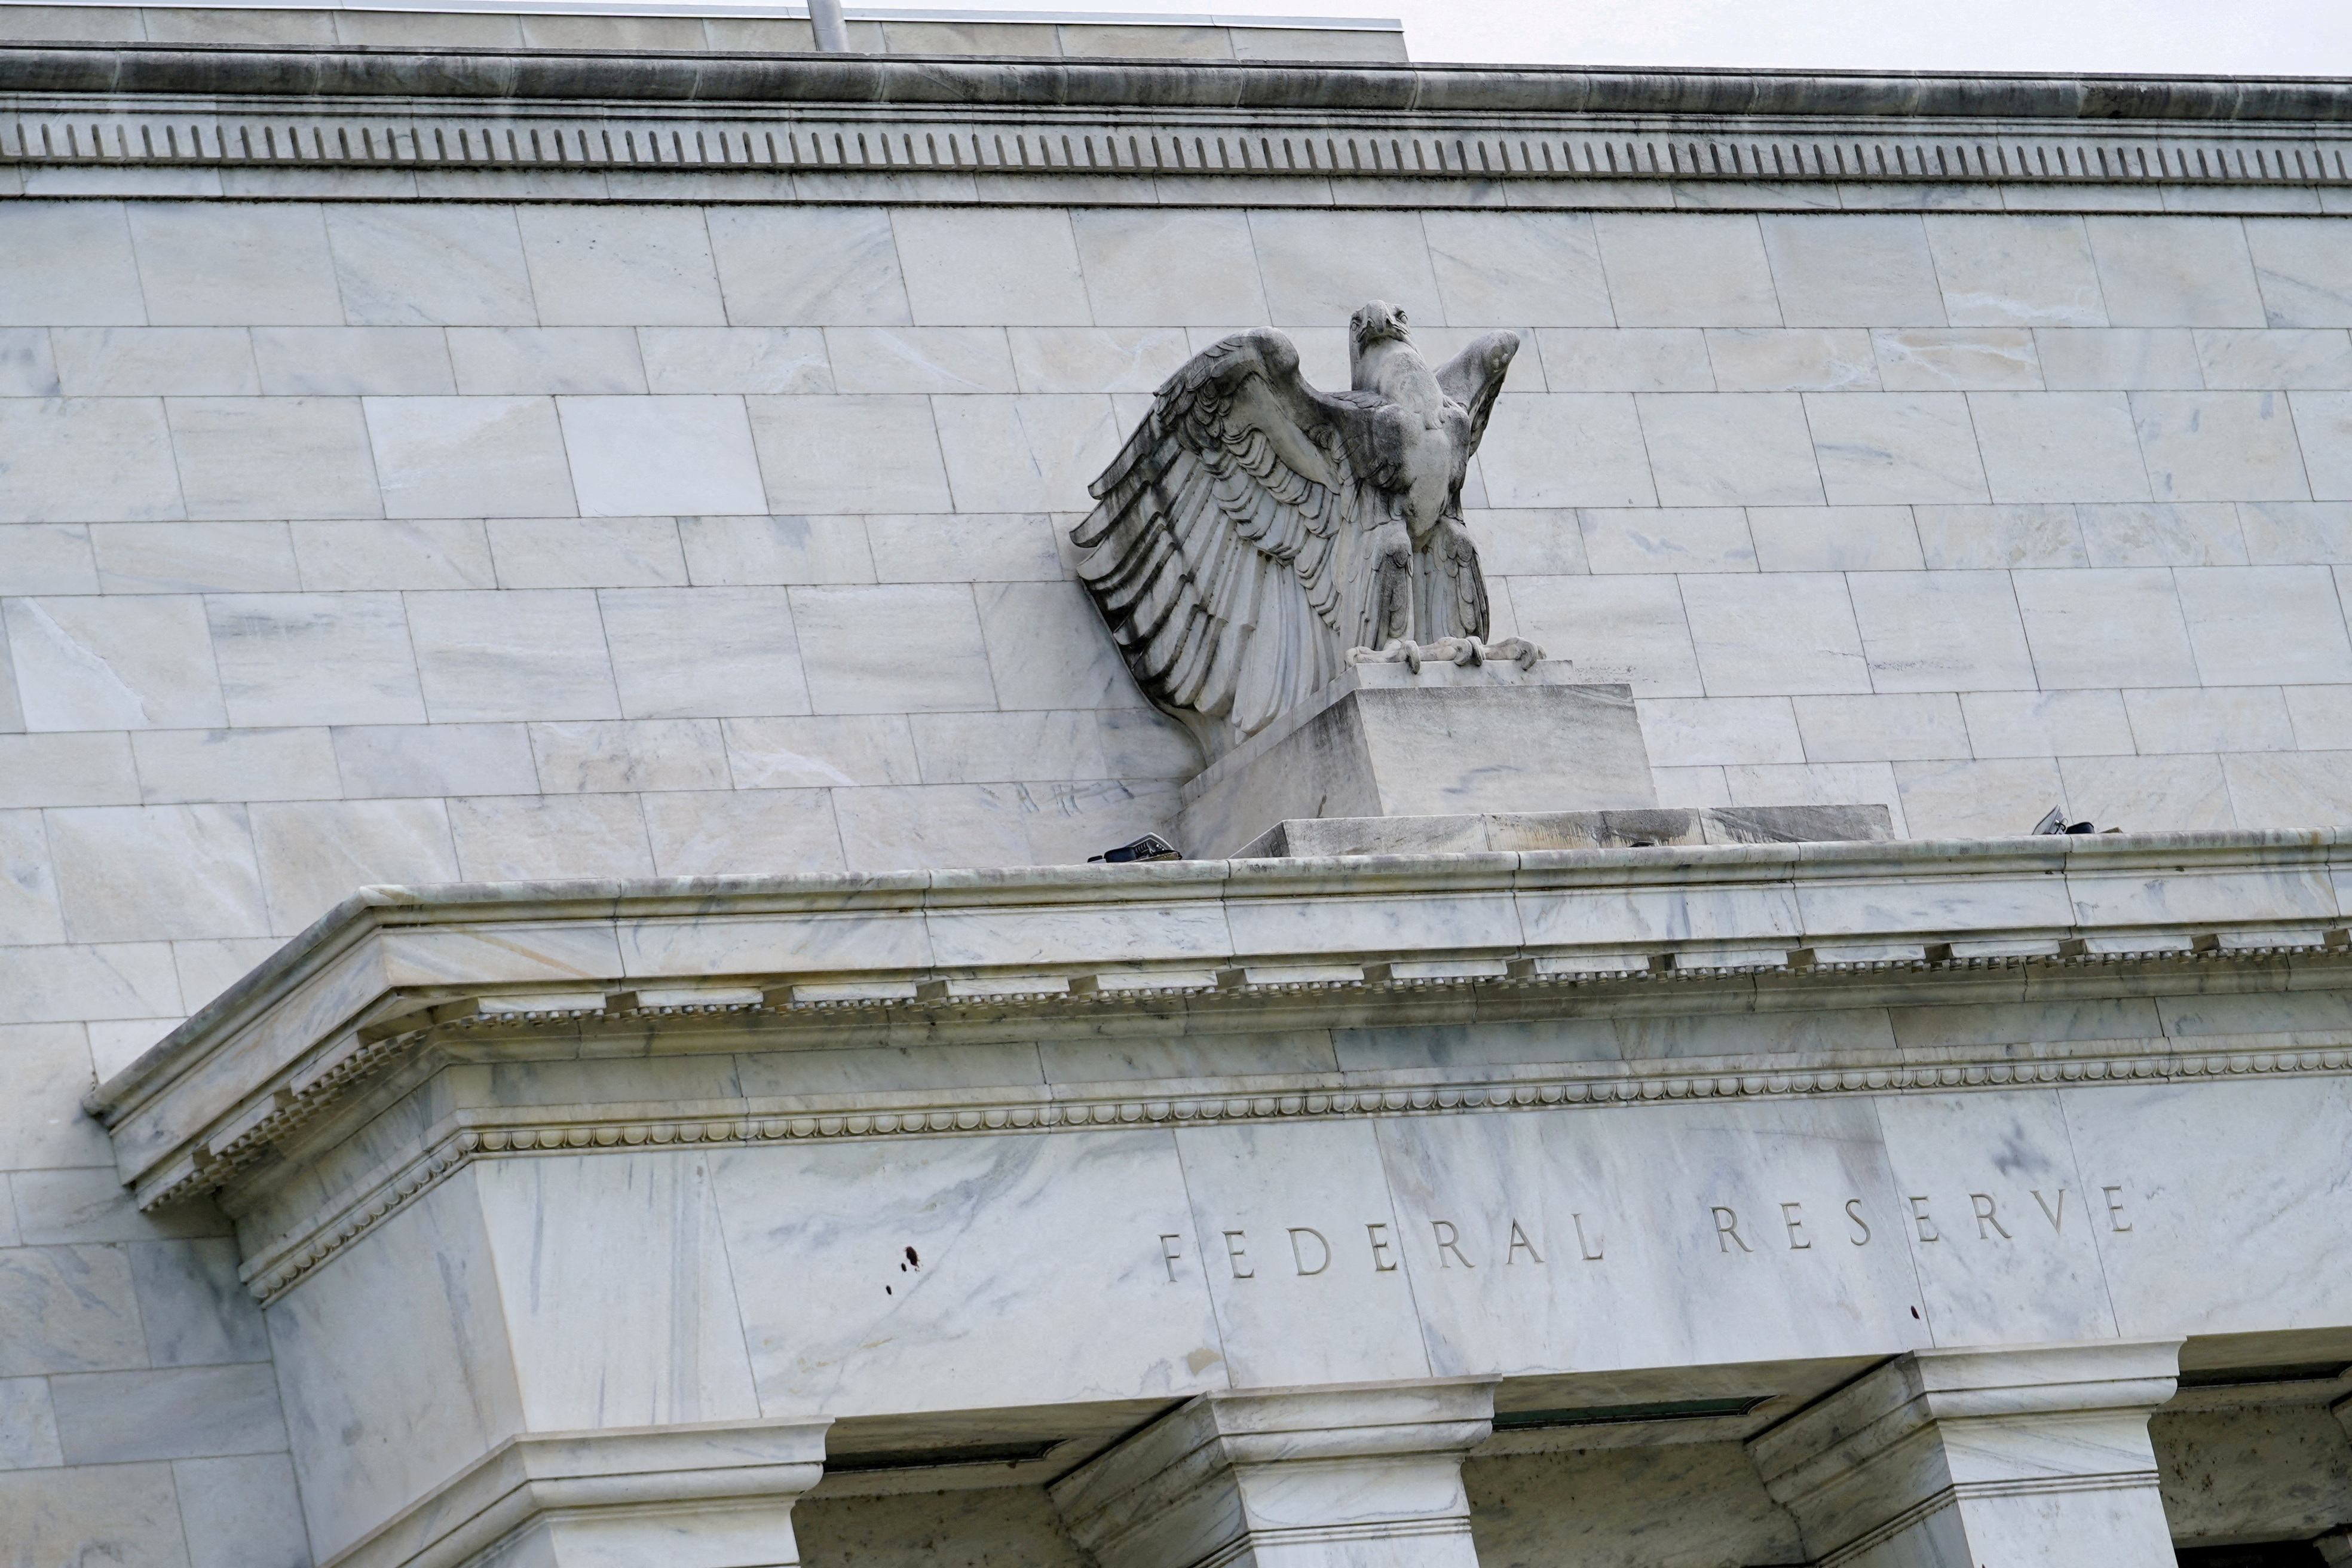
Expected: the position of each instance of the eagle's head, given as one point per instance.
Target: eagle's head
(1374, 321)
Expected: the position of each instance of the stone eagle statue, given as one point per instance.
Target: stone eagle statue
(1256, 536)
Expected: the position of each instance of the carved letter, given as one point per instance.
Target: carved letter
(1519, 1240)
(2057, 1216)
(1853, 1216)
(1590, 1254)
(1795, 1220)
(1445, 1244)
(2115, 1209)
(1170, 1255)
(1382, 1262)
(1727, 1224)
(1927, 1231)
(1983, 1204)
(1299, 1255)
(1233, 1252)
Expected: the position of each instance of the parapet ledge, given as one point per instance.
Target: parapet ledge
(969, 81)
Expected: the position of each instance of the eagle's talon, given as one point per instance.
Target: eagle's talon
(1462, 651)
(1467, 652)
(1400, 650)
(1515, 650)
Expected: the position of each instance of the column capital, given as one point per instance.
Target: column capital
(1936, 1431)
(1233, 1476)
(616, 1496)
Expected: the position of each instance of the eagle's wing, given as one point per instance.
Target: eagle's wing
(1227, 551)
(1473, 377)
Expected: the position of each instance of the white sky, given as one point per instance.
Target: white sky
(2270, 38)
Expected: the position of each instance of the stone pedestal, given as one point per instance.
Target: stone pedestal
(715, 1498)
(1361, 1477)
(1384, 741)
(2033, 1458)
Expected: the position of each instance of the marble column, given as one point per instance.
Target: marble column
(709, 1497)
(2035, 1457)
(1355, 1477)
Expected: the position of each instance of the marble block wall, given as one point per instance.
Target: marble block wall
(415, 541)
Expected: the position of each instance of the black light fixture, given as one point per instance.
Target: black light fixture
(2055, 823)
(1151, 846)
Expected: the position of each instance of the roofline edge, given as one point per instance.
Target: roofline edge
(559, 75)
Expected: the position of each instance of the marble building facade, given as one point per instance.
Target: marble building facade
(578, 459)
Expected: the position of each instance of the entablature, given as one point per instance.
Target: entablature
(1615, 960)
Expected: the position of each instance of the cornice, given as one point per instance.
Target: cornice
(1182, 887)
(965, 118)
